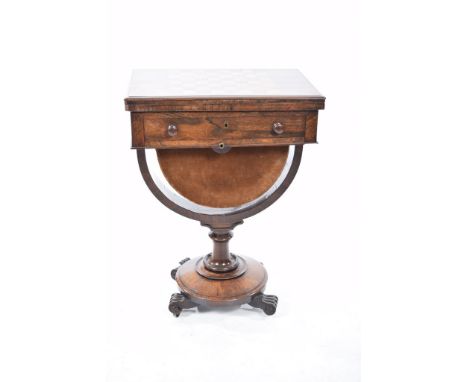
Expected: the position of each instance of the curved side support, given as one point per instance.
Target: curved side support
(161, 196)
(227, 220)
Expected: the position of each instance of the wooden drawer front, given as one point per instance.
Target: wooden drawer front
(212, 129)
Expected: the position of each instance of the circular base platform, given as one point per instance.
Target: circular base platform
(233, 291)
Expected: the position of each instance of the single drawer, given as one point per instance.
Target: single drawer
(184, 130)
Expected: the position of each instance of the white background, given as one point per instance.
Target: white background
(307, 240)
(85, 249)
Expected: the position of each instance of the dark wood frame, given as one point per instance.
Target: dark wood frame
(225, 220)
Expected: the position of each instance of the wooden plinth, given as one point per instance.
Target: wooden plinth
(222, 292)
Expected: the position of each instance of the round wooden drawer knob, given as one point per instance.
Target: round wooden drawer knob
(172, 130)
(278, 128)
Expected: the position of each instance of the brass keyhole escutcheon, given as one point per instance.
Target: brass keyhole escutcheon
(226, 125)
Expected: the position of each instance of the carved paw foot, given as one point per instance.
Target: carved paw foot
(178, 302)
(174, 271)
(266, 302)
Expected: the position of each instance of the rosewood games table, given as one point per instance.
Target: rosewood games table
(228, 143)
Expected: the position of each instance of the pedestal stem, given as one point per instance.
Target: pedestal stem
(221, 246)
(221, 260)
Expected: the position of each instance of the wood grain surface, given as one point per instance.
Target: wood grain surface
(211, 129)
(223, 180)
(209, 292)
(151, 130)
(234, 104)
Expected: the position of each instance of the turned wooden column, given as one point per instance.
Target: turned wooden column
(221, 260)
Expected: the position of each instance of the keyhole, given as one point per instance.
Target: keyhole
(225, 124)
